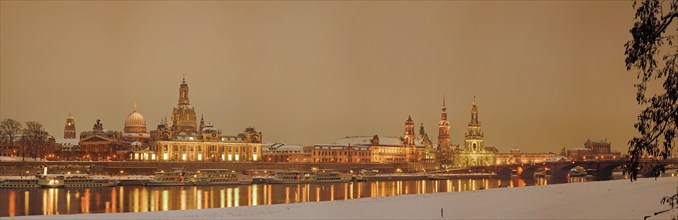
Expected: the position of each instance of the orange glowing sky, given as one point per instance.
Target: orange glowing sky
(547, 74)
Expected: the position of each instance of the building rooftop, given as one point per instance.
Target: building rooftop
(367, 140)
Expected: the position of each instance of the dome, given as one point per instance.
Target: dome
(135, 122)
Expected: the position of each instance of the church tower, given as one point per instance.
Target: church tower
(474, 136)
(183, 115)
(409, 135)
(202, 124)
(443, 129)
(69, 129)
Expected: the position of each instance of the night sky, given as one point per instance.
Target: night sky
(546, 74)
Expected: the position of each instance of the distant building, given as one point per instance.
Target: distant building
(69, 149)
(100, 144)
(285, 153)
(423, 140)
(474, 152)
(444, 149)
(340, 154)
(135, 138)
(579, 154)
(183, 140)
(594, 150)
(135, 127)
(382, 149)
(411, 148)
(69, 128)
(378, 149)
(517, 157)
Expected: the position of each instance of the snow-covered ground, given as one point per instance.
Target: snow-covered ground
(619, 199)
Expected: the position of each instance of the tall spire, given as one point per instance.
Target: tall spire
(409, 134)
(183, 93)
(183, 80)
(443, 129)
(135, 105)
(474, 112)
(202, 123)
(69, 128)
(443, 114)
(474, 135)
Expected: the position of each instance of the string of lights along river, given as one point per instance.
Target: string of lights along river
(60, 201)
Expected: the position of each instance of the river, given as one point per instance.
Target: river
(59, 201)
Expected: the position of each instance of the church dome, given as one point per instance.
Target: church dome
(135, 122)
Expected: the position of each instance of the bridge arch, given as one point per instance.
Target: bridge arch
(505, 172)
(650, 169)
(604, 171)
(528, 171)
(561, 171)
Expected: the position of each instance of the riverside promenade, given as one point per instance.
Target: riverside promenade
(14, 168)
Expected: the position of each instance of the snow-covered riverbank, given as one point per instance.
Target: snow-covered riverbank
(619, 199)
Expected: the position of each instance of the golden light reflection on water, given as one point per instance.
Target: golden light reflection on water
(56, 201)
(12, 203)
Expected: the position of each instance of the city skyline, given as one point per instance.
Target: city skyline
(312, 90)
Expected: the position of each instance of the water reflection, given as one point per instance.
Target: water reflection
(144, 199)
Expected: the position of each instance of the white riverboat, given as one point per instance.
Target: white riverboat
(19, 183)
(316, 176)
(73, 181)
(173, 178)
(206, 177)
(578, 172)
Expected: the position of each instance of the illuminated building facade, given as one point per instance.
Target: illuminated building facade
(69, 128)
(68, 146)
(183, 140)
(99, 144)
(517, 157)
(593, 150)
(474, 152)
(279, 152)
(444, 149)
(341, 154)
(135, 128)
(423, 140)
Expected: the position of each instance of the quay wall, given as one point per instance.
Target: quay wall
(148, 168)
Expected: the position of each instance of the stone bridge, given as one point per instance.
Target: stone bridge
(560, 170)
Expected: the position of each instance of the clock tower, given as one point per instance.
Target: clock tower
(69, 129)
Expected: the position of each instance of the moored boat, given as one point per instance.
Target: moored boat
(172, 178)
(578, 172)
(542, 173)
(315, 176)
(220, 177)
(19, 183)
(73, 181)
(50, 180)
